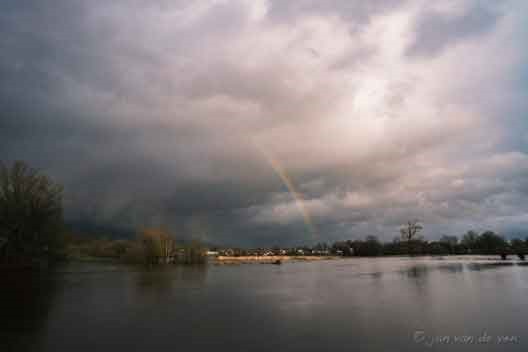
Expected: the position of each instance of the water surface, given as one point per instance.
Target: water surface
(377, 304)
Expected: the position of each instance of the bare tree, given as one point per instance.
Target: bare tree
(410, 232)
(158, 244)
(30, 212)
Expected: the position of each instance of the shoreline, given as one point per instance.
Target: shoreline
(268, 259)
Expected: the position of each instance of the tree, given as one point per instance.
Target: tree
(342, 248)
(410, 232)
(194, 253)
(31, 222)
(469, 240)
(320, 247)
(518, 246)
(490, 243)
(158, 245)
(371, 247)
(450, 242)
(437, 248)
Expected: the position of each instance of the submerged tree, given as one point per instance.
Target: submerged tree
(194, 253)
(158, 245)
(410, 232)
(30, 213)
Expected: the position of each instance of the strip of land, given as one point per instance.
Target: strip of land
(267, 259)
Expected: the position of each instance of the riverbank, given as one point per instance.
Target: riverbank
(268, 259)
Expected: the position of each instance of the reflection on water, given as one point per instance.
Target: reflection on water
(25, 302)
(161, 281)
(367, 304)
(488, 266)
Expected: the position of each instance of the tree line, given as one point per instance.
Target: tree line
(486, 243)
(151, 246)
(32, 229)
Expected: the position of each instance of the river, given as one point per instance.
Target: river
(358, 304)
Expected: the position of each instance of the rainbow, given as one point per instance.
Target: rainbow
(287, 181)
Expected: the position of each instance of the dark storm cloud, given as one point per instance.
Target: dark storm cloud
(184, 114)
(437, 30)
(352, 11)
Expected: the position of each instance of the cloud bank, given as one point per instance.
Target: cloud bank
(185, 114)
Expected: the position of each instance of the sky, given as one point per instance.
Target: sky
(270, 122)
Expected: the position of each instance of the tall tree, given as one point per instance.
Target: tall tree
(30, 212)
(410, 232)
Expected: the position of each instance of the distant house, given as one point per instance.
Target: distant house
(228, 252)
(321, 252)
(212, 253)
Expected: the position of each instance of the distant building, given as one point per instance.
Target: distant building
(321, 252)
(228, 252)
